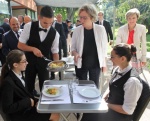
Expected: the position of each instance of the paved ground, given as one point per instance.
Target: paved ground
(70, 75)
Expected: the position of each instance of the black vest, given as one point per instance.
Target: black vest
(116, 88)
(34, 41)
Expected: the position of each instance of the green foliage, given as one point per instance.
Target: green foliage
(70, 13)
(148, 38)
(62, 11)
(148, 42)
(121, 11)
(122, 6)
(148, 46)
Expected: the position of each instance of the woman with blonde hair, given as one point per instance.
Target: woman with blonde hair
(89, 45)
(133, 33)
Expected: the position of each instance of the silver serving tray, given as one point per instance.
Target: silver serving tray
(59, 68)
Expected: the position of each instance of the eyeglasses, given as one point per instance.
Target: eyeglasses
(111, 57)
(83, 17)
(23, 61)
(100, 15)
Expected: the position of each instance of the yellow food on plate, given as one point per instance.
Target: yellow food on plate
(52, 91)
(56, 65)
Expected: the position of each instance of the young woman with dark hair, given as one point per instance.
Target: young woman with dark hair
(17, 102)
(124, 89)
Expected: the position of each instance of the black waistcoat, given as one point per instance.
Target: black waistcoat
(116, 95)
(34, 41)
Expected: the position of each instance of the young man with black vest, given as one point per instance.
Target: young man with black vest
(39, 39)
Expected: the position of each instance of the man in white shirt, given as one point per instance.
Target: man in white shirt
(39, 39)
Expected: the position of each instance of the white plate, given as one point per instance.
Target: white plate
(89, 92)
(50, 95)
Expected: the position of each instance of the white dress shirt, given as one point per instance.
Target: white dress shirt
(24, 37)
(19, 32)
(132, 88)
(101, 22)
(20, 78)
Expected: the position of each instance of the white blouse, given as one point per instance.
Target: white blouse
(132, 88)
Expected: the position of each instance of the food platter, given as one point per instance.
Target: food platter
(55, 66)
(52, 91)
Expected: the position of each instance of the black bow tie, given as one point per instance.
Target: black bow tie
(120, 74)
(40, 29)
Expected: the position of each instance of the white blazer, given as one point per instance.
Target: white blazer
(139, 39)
(100, 39)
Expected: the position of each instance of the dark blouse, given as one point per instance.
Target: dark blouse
(89, 56)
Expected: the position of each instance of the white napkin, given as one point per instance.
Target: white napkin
(79, 63)
(67, 61)
(64, 96)
(77, 98)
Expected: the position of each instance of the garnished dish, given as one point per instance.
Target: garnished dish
(52, 91)
(56, 64)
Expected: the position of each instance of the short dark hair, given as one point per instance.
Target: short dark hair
(126, 50)
(47, 11)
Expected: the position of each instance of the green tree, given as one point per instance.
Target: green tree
(67, 13)
(122, 6)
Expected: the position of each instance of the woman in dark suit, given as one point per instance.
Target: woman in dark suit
(17, 102)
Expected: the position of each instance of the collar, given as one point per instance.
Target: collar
(59, 22)
(15, 32)
(54, 24)
(19, 31)
(126, 27)
(44, 28)
(101, 20)
(125, 70)
(18, 75)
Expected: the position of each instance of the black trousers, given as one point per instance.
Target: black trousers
(2, 57)
(31, 115)
(94, 74)
(30, 75)
(64, 47)
(109, 116)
